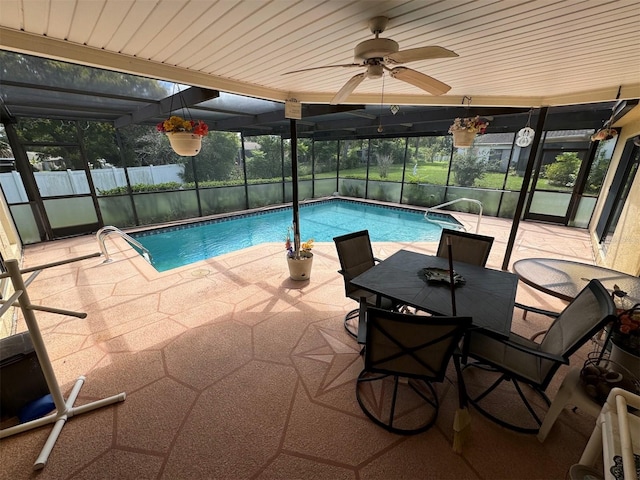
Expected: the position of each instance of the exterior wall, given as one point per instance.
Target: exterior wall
(622, 253)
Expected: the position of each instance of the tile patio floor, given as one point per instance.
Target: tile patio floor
(233, 371)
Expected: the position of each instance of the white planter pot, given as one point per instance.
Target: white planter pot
(627, 360)
(300, 269)
(185, 144)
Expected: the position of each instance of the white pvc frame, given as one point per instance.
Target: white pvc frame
(64, 409)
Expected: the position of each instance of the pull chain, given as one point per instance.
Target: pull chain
(380, 129)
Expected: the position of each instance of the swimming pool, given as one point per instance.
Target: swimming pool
(177, 246)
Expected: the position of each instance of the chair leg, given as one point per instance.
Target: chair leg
(533, 413)
(389, 422)
(349, 319)
(503, 377)
(392, 411)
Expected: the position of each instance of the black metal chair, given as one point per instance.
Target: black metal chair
(356, 256)
(520, 362)
(404, 355)
(469, 247)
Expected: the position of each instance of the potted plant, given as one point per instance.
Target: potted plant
(300, 260)
(604, 134)
(185, 136)
(464, 130)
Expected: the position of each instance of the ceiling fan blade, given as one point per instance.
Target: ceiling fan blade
(420, 80)
(348, 88)
(421, 53)
(325, 66)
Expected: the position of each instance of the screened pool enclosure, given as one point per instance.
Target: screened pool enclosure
(82, 151)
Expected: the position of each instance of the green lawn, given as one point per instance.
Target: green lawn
(436, 174)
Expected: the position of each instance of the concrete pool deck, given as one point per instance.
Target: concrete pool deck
(232, 371)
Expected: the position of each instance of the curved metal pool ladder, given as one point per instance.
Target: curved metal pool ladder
(472, 200)
(107, 230)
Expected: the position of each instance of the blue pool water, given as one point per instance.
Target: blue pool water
(174, 247)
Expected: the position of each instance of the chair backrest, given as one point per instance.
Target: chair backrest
(467, 247)
(411, 345)
(355, 255)
(587, 314)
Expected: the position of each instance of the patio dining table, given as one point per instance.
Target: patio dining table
(487, 295)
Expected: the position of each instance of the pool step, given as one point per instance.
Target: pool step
(444, 220)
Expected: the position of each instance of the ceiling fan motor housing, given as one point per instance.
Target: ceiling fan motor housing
(375, 48)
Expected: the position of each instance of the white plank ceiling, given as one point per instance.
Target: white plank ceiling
(511, 52)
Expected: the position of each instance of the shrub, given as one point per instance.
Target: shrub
(563, 171)
(467, 169)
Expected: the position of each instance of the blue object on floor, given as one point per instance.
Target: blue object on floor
(36, 409)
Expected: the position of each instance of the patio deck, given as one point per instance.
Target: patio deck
(234, 371)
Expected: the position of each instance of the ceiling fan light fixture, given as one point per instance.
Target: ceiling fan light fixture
(375, 71)
(420, 80)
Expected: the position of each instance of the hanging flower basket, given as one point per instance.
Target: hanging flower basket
(185, 136)
(463, 139)
(185, 144)
(604, 134)
(464, 130)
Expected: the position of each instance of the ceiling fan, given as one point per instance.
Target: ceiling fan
(378, 53)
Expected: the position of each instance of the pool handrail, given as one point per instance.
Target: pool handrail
(107, 230)
(446, 204)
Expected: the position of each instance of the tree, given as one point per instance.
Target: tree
(304, 156)
(598, 171)
(326, 155)
(352, 154)
(98, 139)
(563, 171)
(384, 163)
(259, 166)
(267, 161)
(220, 153)
(54, 73)
(393, 147)
(99, 143)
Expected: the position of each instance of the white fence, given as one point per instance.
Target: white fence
(72, 182)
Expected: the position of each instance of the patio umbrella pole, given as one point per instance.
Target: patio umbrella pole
(452, 285)
(63, 409)
(461, 420)
(294, 181)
